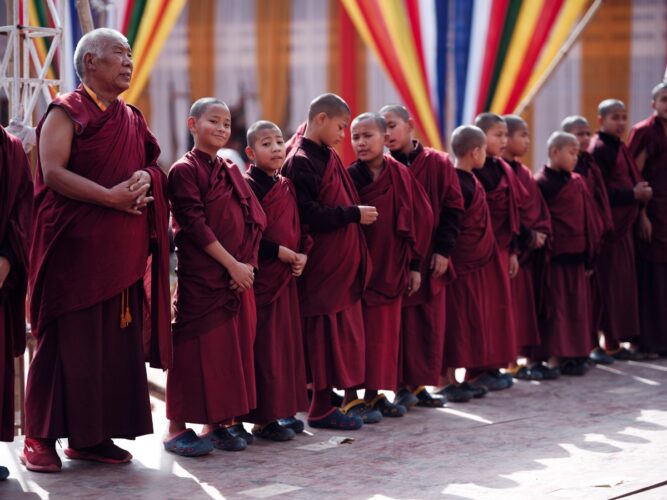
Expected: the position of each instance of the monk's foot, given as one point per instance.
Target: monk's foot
(39, 455)
(273, 431)
(359, 408)
(548, 372)
(105, 452)
(404, 397)
(187, 444)
(491, 381)
(455, 393)
(427, 400)
(599, 357)
(292, 423)
(385, 407)
(573, 366)
(237, 430)
(222, 439)
(623, 354)
(335, 419)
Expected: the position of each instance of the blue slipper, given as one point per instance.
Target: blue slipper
(359, 408)
(335, 419)
(4, 473)
(188, 444)
(292, 423)
(222, 439)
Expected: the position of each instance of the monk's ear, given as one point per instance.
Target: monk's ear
(88, 61)
(192, 122)
(411, 124)
(320, 118)
(250, 153)
(600, 120)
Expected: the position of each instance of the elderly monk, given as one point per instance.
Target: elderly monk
(99, 266)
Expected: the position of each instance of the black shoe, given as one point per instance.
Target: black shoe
(547, 372)
(491, 382)
(624, 354)
(427, 400)
(572, 367)
(222, 439)
(478, 391)
(292, 423)
(405, 398)
(237, 430)
(526, 373)
(4, 473)
(455, 393)
(274, 432)
(599, 357)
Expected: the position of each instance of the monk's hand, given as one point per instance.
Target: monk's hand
(513, 265)
(299, 264)
(368, 214)
(414, 283)
(643, 192)
(439, 265)
(539, 239)
(286, 255)
(5, 267)
(121, 198)
(139, 179)
(243, 276)
(644, 227)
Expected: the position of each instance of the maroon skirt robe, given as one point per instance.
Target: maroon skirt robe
(99, 286)
(213, 375)
(616, 272)
(280, 371)
(577, 233)
(649, 136)
(331, 287)
(401, 233)
(527, 285)
(15, 234)
(479, 309)
(423, 316)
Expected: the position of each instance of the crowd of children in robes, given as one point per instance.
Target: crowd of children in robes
(302, 275)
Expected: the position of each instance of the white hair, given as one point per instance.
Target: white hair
(92, 43)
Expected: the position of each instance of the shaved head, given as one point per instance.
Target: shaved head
(571, 122)
(658, 89)
(486, 121)
(94, 42)
(397, 109)
(559, 140)
(201, 105)
(255, 128)
(330, 104)
(466, 138)
(377, 119)
(514, 124)
(608, 106)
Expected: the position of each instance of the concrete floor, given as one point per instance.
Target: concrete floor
(600, 436)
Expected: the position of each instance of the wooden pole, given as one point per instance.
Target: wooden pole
(564, 50)
(85, 16)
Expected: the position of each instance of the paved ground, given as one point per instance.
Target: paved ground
(601, 436)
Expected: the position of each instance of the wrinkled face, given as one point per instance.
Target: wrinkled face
(519, 142)
(333, 129)
(660, 105)
(583, 135)
(565, 158)
(478, 156)
(614, 123)
(112, 69)
(268, 152)
(399, 132)
(367, 141)
(496, 139)
(212, 129)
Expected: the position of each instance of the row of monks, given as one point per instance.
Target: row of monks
(303, 275)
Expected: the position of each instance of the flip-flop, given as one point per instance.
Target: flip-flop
(335, 419)
(188, 444)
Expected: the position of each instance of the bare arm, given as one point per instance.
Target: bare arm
(54, 152)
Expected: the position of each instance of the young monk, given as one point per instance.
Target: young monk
(616, 266)
(590, 171)
(648, 146)
(505, 196)
(397, 242)
(280, 371)
(535, 227)
(577, 232)
(423, 315)
(478, 302)
(217, 224)
(15, 232)
(338, 268)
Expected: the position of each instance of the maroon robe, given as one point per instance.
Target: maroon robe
(334, 278)
(213, 375)
(402, 233)
(616, 266)
(15, 234)
(649, 136)
(423, 317)
(590, 171)
(87, 276)
(280, 371)
(479, 316)
(577, 235)
(526, 287)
